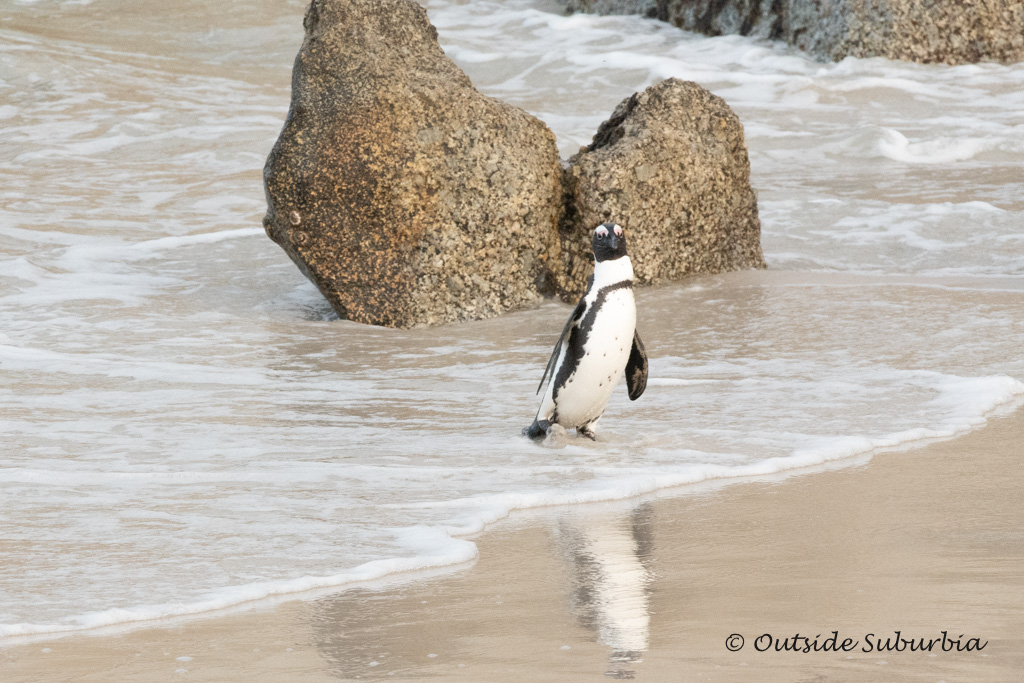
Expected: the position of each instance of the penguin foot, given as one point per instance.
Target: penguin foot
(587, 430)
(538, 430)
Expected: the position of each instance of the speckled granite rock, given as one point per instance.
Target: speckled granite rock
(671, 166)
(411, 199)
(405, 195)
(950, 31)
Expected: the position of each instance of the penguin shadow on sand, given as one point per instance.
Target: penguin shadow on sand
(608, 556)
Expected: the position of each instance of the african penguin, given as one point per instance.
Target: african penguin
(598, 342)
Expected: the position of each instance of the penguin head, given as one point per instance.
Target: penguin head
(609, 242)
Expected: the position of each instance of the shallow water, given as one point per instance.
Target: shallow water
(186, 427)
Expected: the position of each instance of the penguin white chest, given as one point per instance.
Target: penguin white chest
(606, 349)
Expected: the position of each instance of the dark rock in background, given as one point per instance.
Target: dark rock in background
(405, 195)
(671, 167)
(950, 31)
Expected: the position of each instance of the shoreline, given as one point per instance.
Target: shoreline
(918, 541)
(402, 569)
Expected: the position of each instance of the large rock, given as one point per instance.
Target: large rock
(405, 195)
(671, 166)
(950, 31)
(411, 199)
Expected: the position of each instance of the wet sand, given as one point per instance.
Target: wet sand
(919, 541)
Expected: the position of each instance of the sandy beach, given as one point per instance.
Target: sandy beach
(920, 541)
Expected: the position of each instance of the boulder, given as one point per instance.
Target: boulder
(949, 31)
(405, 195)
(411, 199)
(671, 167)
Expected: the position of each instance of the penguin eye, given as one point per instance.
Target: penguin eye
(601, 232)
(618, 231)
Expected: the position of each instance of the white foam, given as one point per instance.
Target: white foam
(434, 550)
(931, 239)
(968, 401)
(676, 382)
(16, 358)
(894, 145)
(964, 402)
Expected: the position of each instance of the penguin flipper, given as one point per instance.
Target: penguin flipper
(636, 368)
(574, 318)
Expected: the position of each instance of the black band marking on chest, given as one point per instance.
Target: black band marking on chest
(578, 339)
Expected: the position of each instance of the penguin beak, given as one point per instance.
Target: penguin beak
(613, 240)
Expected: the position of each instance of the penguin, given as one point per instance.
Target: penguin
(598, 343)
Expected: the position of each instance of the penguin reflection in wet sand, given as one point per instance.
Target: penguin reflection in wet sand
(598, 342)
